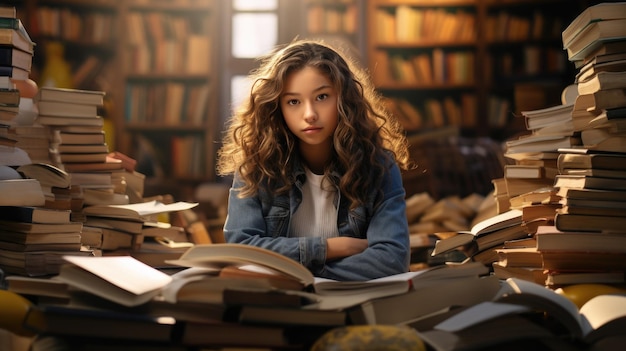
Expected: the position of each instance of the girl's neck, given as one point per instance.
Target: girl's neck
(315, 157)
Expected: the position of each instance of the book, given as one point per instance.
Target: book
(37, 263)
(17, 38)
(41, 238)
(600, 64)
(591, 223)
(13, 72)
(66, 121)
(9, 97)
(602, 99)
(66, 109)
(603, 81)
(273, 315)
(507, 332)
(47, 174)
(504, 225)
(100, 324)
(600, 12)
(37, 286)
(603, 161)
(128, 226)
(524, 171)
(562, 260)
(588, 182)
(102, 276)
(63, 158)
(555, 278)
(593, 208)
(540, 143)
(206, 285)
(591, 194)
(41, 228)
(21, 192)
(595, 319)
(79, 148)
(10, 56)
(549, 238)
(454, 292)
(73, 96)
(143, 211)
(557, 114)
(592, 36)
(109, 165)
(34, 214)
(70, 137)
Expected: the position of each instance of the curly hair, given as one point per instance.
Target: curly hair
(258, 145)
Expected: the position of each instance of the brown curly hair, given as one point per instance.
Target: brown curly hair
(258, 145)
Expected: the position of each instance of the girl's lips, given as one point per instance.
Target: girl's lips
(312, 129)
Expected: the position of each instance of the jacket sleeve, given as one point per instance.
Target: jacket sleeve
(388, 249)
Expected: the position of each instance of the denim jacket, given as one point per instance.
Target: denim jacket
(264, 221)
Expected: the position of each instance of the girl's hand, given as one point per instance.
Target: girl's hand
(341, 247)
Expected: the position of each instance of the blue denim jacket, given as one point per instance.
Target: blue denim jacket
(264, 221)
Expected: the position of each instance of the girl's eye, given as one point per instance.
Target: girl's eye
(292, 102)
(322, 97)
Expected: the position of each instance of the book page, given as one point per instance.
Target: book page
(602, 309)
(124, 272)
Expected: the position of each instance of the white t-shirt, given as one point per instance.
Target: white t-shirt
(317, 214)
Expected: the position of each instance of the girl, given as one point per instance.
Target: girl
(316, 164)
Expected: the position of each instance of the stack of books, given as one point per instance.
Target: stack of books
(583, 242)
(16, 47)
(252, 296)
(136, 230)
(77, 142)
(36, 229)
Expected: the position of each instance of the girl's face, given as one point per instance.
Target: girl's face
(309, 106)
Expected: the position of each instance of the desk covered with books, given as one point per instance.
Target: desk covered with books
(238, 296)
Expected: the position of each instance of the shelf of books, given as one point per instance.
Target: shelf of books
(466, 72)
(428, 76)
(168, 85)
(337, 21)
(88, 33)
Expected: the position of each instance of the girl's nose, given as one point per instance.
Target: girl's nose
(310, 116)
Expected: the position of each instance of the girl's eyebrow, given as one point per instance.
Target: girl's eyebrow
(322, 87)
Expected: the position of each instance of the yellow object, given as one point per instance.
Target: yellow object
(56, 71)
(579, 294)
(371, 338)
(14, 310)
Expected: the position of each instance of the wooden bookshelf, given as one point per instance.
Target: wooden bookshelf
(168, 61)
(155, 61)
(341, 21)
(459, 62)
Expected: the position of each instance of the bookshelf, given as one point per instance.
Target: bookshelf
(154, 59)
(168, 84)
(336, 21)
(465, 72)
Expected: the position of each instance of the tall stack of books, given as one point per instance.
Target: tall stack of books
(77, 143)
(596, 43)
(583, 244)
(16, 111)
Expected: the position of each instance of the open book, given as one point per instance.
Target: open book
(129, 282)
(142, 211)
(601, 316)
